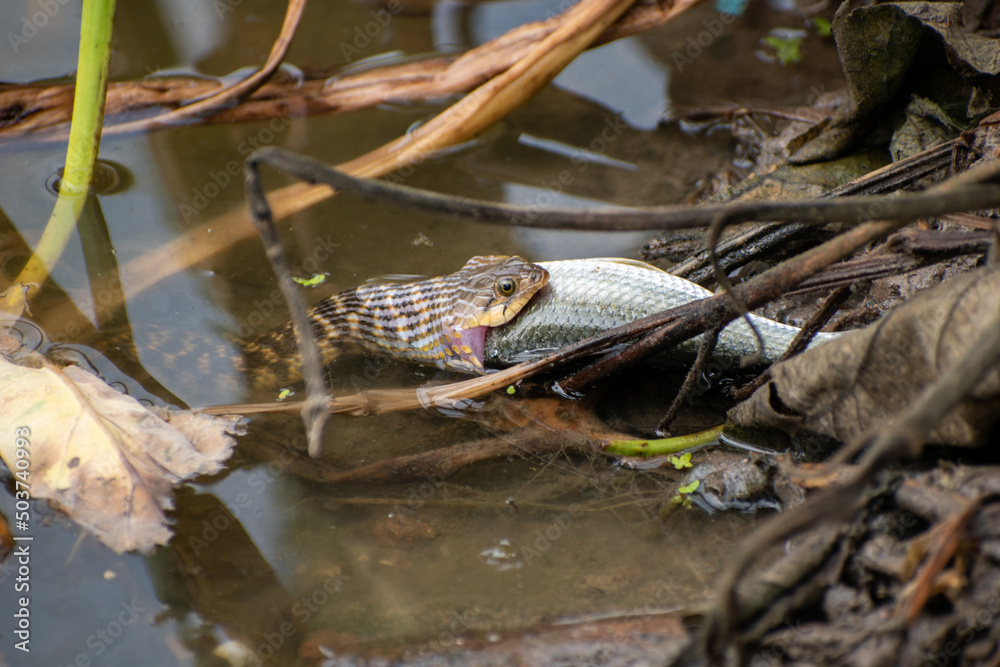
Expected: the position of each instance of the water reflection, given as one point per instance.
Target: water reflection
(264, 546)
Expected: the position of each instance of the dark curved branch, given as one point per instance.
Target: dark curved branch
(850, 210)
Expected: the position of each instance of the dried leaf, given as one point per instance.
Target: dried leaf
(845, 387)
(106, 460)
(13, 302)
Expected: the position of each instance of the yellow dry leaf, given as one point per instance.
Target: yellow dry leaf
(13, 302)
(106, 460)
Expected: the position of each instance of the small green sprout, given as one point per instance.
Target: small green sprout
(682, 499)
(689, 488)
(786, 49)
(511, 391)
(822, 26)
(315, 279)
(682, 461)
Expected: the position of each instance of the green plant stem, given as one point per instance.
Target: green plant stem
(84, 139)
(663, 446)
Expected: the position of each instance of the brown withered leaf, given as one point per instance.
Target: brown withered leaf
(107, 461)
(845, 387)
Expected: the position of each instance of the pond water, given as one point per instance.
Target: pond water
(501, 545)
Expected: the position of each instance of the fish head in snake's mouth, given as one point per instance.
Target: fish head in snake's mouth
(490, 291)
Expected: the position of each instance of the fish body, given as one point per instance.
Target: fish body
(586, 297)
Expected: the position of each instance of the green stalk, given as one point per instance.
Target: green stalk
(84, 139)
(665, 445)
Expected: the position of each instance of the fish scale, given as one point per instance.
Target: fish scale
(586, 297)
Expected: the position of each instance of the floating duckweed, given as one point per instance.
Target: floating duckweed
(689, 488)
(681, 462)
(312, 281)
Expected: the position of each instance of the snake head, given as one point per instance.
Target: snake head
(489, 291)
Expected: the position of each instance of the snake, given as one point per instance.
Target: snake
(497, 311)
(494, 312)
(441, 321)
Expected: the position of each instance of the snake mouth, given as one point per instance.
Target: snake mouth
(470, 344)
(468, 336)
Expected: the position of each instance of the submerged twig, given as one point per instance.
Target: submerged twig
(314, 407)
(705, 349)
(442, 462)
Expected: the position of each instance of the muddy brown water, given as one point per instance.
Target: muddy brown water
(501, 545)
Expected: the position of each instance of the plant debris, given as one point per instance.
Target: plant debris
(870, 374)
(108, 462)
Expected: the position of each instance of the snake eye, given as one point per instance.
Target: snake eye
(506, 286)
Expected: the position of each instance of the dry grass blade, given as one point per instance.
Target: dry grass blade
(578, 27)
(226, 95)
(379, 401)
(45, 107)
(946, 538)
(499, 96)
